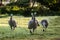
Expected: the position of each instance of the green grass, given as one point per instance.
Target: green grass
(22, 31)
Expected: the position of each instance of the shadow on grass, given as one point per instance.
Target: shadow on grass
(3, 16)
(55, 39)
(38, 34)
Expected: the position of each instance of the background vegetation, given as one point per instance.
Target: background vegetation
(22, 7)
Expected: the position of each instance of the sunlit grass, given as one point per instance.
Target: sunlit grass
(22, 31)
(21, 21)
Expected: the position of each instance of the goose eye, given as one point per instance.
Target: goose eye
(11, 14)
(31, 13)
(35, 13)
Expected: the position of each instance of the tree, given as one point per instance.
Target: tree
(0, 2)
(52, 4)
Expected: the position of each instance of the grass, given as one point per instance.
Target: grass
(22, 31)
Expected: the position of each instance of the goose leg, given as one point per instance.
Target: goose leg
(11, 27)
(33, 29)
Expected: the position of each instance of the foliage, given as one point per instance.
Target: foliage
(10, 9)
(44, 8)
(20, 3)
(52, 4)
(27, 11)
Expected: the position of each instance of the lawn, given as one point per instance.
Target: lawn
(22, 31)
